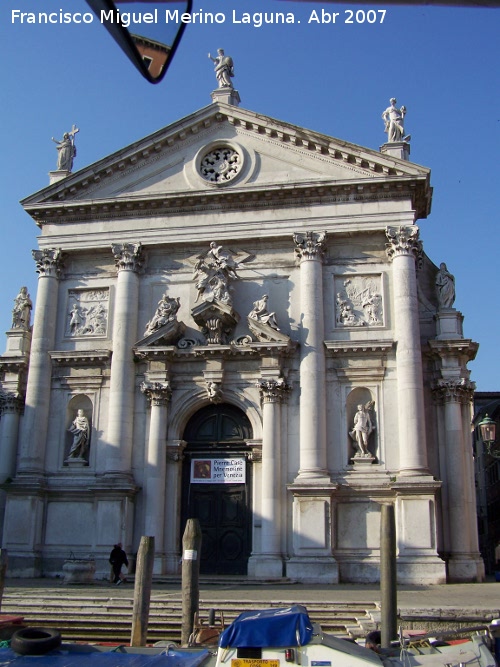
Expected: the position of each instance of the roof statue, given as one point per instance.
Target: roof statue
(224, 69)
(394, 122)
(66, 150)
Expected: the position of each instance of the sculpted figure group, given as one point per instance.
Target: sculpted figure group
(212, 274)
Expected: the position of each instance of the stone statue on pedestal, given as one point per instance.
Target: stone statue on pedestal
(66, 150)
(445, 287)
(21, 313)
(394, 122)
(224, 69)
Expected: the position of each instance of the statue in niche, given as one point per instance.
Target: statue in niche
(362, 429)
(80, 429)
(259, 312)
(165, 312)
(445, 287)
(213, 272)
(66, 150)
(21, 313)
(394, 122)
(224, 69)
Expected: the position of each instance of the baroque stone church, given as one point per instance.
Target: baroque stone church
(236, 321)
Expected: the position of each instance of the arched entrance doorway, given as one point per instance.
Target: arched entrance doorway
(216, 487)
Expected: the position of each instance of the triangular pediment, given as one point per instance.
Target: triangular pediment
(182, 160)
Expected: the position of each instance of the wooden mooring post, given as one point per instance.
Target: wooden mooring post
(191, 550)
(388, 578)
(3, 569)
(142, 591)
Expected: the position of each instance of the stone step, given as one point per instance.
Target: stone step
(105, 618)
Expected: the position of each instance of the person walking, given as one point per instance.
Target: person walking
(118, 558)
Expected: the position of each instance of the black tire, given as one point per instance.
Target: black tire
(35, 641)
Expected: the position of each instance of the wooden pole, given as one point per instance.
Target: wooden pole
(191, 550)
(142, 591)
(388, 578)
(3, 568)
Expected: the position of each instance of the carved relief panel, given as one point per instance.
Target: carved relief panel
(87, 313)
(359, 301)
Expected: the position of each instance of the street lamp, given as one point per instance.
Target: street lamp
(488, 429)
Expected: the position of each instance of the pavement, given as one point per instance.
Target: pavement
(456, 598)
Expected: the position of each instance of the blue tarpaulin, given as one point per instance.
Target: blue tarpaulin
(62, 658)
(290, 626)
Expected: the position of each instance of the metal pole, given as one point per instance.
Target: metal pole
(388, 578)
(191, 550)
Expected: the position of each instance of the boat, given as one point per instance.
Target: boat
(283, 637)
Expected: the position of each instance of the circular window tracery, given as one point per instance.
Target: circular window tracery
(220, 164)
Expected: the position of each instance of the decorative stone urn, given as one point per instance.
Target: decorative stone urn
(79, 570)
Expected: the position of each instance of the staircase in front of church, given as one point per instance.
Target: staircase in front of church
(102, 618)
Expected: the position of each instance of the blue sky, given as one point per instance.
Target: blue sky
(441, 63)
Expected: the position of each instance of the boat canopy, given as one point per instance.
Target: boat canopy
(289, 626)
(104, 658)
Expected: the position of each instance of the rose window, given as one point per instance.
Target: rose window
(220, 165)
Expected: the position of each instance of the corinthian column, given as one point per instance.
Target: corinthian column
(310, 248)
(129, 262)
(159, 394)
(11, 407)
(36, 414)
(464, 562)
(405, 248)
(269, 562)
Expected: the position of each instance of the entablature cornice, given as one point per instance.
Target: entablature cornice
(14, 363)
(462, 347)
(359, 348)
(356, 361)
(197, 352)
(81, 357)
(258, 197)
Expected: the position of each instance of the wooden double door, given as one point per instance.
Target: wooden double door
(215, 435)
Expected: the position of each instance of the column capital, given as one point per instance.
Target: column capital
(128, 256)
(158, 393)
(404, 241)
(273, 390)
(456, 390)
(49, 262)
(11, 402)
(175, 449)
(310, 245)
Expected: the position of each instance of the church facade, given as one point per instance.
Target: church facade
(236, 321)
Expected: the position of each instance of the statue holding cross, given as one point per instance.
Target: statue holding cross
(66, 150)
